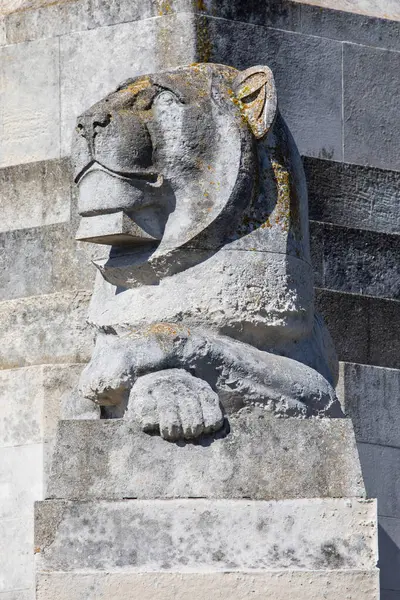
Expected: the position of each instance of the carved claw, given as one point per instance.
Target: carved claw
(175, 404)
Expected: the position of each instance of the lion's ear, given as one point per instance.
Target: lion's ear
(256, 92)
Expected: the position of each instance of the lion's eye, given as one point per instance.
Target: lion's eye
(165, 98)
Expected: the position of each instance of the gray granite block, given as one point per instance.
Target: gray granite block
(307, 72)
(41, 190)
(364, 329)
(360, 262)
(371, 107)
(201, 535)
(381, 467)
(371, 399)
(389, 554)
(353, 196)
(115, 459)
(350, 27)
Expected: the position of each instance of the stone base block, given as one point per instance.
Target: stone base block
(205, 535)
(269, 585)
(262, 458)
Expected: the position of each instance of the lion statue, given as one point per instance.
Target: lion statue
(203, 303)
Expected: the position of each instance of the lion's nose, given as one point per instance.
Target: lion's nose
(88, 125)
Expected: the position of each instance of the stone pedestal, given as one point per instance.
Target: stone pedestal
(272, 509)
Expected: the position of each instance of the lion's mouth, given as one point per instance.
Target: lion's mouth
(152, 179)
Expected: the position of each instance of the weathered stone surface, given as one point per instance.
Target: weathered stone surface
(19, 594)
(17, 555)
(364, 329)
(346, 25)
(371, 126)
(269, 585)
(30, 399)
(354, 261)
(212, 535)
(20, 480)
(389, 554)
(54, 327)
(131, 48)
(30, 102)
(380, 466)
(371, 397)
(47, 260)
(47, 19)
(353, 196)
(254, 460)
(40, 190)
(307, 71)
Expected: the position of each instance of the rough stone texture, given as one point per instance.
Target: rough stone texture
(48, 260)
(307, 71)
(380, 465)
(255, 460)
(371, 397)
(54, 330)
(371, 126)
(212, 535)
(29, 98)
(354, 261)
(41, 190)
(17, 556)
(353, 196)
(131, 49)
(270, 585)
(364, 329)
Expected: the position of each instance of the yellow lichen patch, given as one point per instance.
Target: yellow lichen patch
(164, 7)
(137, 86)
(282, 210)
(204, 47)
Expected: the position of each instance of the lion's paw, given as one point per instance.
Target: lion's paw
(176, 404)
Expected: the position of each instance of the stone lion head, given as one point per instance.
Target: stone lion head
(182, 159)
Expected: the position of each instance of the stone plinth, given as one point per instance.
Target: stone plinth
(261, 458)
(269, 509)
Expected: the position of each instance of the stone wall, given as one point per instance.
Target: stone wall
(337, 75)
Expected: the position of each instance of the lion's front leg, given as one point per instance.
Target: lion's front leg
(174, 404)
(115, 365)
